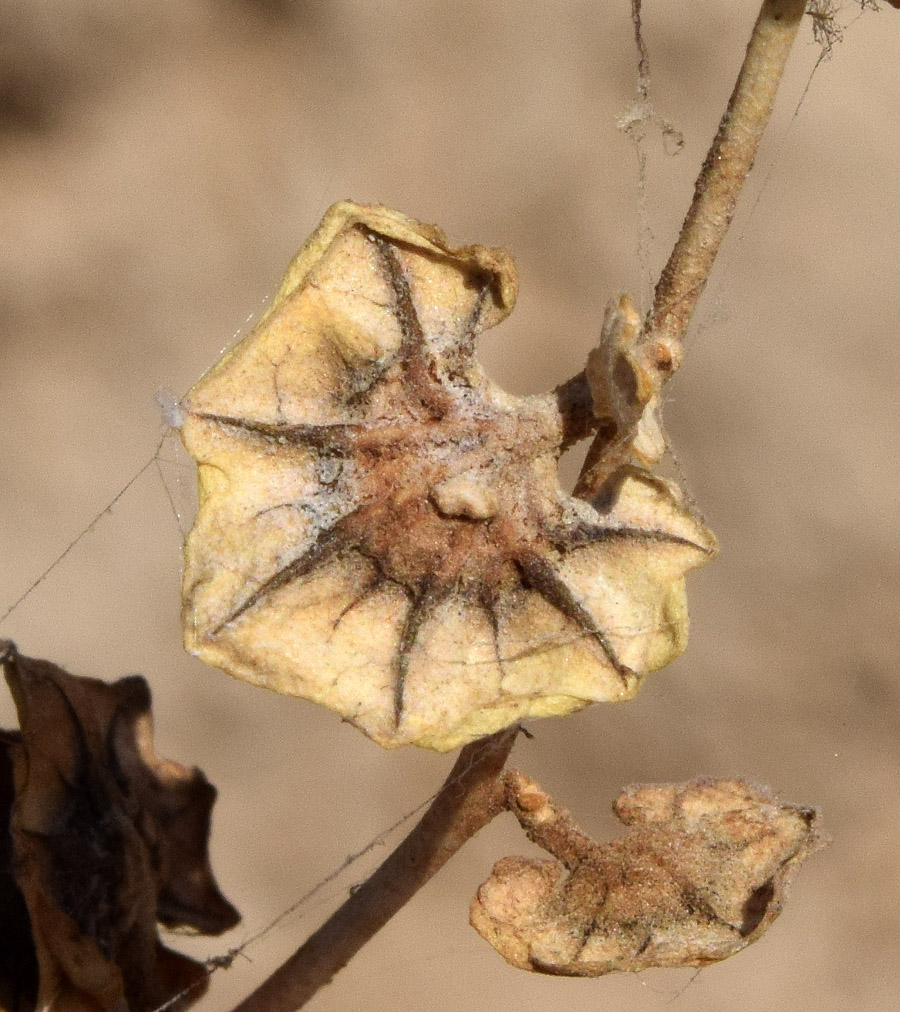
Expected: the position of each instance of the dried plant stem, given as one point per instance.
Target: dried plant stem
(716, 193)
(470, 797)
(723, 174)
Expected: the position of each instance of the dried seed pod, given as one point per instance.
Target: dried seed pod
(104, 840)
(702, 873)
(381, 528)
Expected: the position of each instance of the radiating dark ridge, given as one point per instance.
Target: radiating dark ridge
(423, 599)
(645, 945)
(542, 577)
(588, 534)
(327, 544)
(334, 436)
(363, 377)
(690, 895)
(410, 325)
(585, 935)
(459, 357)
(696, 904)
(467, 340)
(488, 601)
(414, 349)
(373, 584)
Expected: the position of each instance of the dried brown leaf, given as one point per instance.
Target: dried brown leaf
(381, 528)
(105, 839)
(702, 873)
(18, 962)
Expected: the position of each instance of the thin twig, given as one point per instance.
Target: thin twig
(470, 797)
(723, 174)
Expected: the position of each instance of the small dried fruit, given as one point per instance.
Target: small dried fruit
(702, 873)
(381, 528)
(104, 839)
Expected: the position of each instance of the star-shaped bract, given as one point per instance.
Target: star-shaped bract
(381, 528)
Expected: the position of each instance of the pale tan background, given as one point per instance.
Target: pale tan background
(161, 161)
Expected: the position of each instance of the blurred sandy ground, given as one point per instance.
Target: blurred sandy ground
(162, 160)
